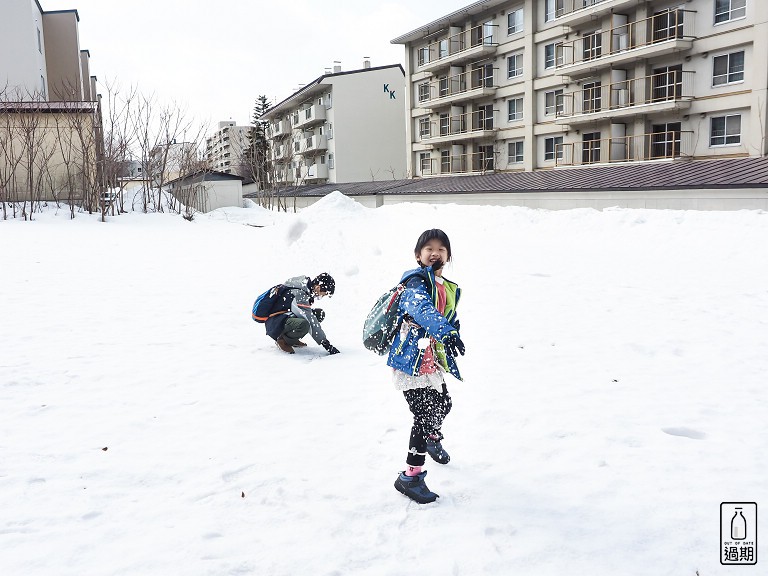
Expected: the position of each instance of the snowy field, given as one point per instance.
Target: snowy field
(614, 395)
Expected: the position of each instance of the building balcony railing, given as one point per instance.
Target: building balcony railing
(314, 172)
(285, 176)
(476, 163)
(280, 129)
(669, 144)
(476, 83)
(315, 145)
(663, 33)
(467, 45)
(570, 12)
(467, 126)
(670, 90)
(310, 116)
(281, 153)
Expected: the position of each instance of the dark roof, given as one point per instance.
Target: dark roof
(664, 175)
(205, 176)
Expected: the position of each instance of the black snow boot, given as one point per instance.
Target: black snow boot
(436, 450)
(415, 488)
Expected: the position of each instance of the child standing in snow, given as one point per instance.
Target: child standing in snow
(425, 347)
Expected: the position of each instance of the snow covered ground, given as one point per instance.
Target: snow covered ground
(614, 395)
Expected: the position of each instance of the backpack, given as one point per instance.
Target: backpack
(381, 324)
(262, 308)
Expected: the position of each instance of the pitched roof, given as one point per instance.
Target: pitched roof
(665, 175)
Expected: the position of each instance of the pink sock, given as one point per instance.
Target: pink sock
(412, 470)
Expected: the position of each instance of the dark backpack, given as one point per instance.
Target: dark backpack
(381, 324)
(262, 308)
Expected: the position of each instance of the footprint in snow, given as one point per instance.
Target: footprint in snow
(686, 432)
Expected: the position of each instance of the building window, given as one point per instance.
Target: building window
(328, 101)
(330, 131)
(553, 148)
(593, 97)
(515, 65)
(667, 83)
(725, 130)
(423, 127)
(553, 9)
(553, 102)
(553, 55)
(515, 21)
(330, 161)
(442, 89)
(445, 162)
(728, 68)
(515, 109)
(442, 49)
(667, 24)
(590, 151)
(425, 164)
(424, 92)
(39, 41)
(42, 87)
(593, 45)
(423, 55)
(726, 10)
(666, 140)
(515, 152)
(484, 118)
(486, 155)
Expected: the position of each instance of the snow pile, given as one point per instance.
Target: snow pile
(614, 395)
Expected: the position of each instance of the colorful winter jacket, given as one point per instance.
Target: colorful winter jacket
(418, 304)
(296, 303)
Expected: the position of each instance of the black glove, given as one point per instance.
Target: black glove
(453, 343)
(319, 314)
(457, 325)
(331, 349)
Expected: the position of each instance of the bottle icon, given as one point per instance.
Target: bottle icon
(738, 525)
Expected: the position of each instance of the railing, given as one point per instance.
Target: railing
(567, 7)
(666, 86)
(315, 144)
(654, 146)
(310, 115)
(280, 129)
(444, 49)
(477, 162)
(671, 25)
(468, 123)
(475, 79)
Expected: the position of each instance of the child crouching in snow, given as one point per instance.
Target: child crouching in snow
(424, 348)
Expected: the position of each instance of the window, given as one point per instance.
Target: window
(593, 45)
(728, 68)
(424, 127)
(515, 152)
(515, 21)
(445, 162)
(484, 118)
(442, 49)
(515, 109)
(515, 65)
(553, 9)
(442, 89)
(553, 55)
(330, 131)
(725, 130)
(425, 163)
(593, 97)
(667, 24)
(42, 87)
(328, 101)
(553, 148)
(553, 102)
(330, 161)
(667, 83)
(322, 159)
(590, 150)
(423, 55)
(39, 41)
(423, 91)
(486, 155)
(445, 124)
(666, 140)
(726, 10)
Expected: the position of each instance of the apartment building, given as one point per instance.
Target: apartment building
(341, 127)
(40, 55)
(524, 85)
(225, 148)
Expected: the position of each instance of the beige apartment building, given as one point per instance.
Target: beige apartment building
(341, 127)
(224, 149)
(524, 85)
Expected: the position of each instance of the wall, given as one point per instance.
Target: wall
(21, 60)
(62, 55)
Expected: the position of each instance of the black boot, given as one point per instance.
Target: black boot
(436, 450)
(415, 488)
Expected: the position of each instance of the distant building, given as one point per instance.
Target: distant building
(208, 190)
(224, 149)
(526, 85)
(341, 127)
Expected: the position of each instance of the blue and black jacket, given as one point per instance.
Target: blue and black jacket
(420, 319)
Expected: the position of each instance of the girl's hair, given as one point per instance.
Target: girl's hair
(434, 234)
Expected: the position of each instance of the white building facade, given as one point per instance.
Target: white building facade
(224, 149)
(523, 85)
(342, 127)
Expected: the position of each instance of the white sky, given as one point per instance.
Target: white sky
(215, 58)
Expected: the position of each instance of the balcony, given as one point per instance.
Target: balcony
(280, 129)
(314, 172)
(671, 90)
(281, 153)
(477, 163)
(572, 12)
(670, 145)
(285, 176)
(477, 83)
(309, 117)
(658, 35)
(478, 124)
(471, 44)
(314, 145)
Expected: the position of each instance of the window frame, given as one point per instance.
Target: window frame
(514, 56)
(555, 60)
(558, 101)
(555, 153)
(728, 72)
(519, 114)
(424, 122)
(512, 21)
(518, 157)
(725, 136)
(728, 13)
